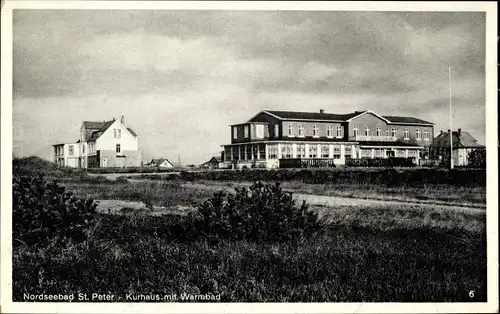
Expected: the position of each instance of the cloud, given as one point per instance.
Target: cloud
(181, 77)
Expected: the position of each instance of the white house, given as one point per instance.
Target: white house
(161, 163)
(101, 144)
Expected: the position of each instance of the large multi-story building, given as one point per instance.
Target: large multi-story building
(101, 144)
(271, 136)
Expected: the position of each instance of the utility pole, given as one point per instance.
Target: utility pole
(451, 123)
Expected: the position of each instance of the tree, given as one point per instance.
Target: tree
(477, 158)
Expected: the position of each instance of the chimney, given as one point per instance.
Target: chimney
(321, 111)
(122, 120)
(459, 131)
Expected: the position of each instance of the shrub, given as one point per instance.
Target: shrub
(43, 212)
(477, 158)
(260, 213)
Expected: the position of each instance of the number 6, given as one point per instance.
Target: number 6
(471, 294)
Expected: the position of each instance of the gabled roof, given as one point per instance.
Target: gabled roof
(297, 115)
(159, 161)
(318, 116)
(398, 119)
(94, 129)
(132, 132)
(465, 140)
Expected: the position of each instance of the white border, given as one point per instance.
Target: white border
(7, 306)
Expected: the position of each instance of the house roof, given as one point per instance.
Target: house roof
(318, 116)
(311, 115)
(465, 140)
(398, 119)
(94, 129)
(159, 161)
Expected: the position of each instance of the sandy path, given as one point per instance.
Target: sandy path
(332, 201)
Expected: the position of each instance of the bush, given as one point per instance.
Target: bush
(260, 213)
(43, 212)
(477, 158)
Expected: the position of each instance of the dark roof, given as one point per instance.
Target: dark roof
(93, 124)
(132, 132)
(312, 115)
(398, 119)
(386, 143)
(94, 129)
(465, 140)
(296, 115)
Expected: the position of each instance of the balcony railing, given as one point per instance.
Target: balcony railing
(374, 138)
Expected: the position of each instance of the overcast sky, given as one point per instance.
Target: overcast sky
(181, 78)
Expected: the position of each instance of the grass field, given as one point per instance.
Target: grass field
(368, 254)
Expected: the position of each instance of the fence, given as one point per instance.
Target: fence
(306, 163)
(380, 162)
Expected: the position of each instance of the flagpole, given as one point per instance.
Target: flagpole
(451, 123)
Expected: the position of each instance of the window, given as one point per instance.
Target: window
(418, 134)
(329, 131)
(301, 150)
(387, 132)
(118, 148)
(119, 133)
(235, 132)
(413, 153)
(379, 153)
(276, 130)
(245, 130)
(348, 151)
(365, 153)
(313, 151)
(336, 152)
(273, 151)
(259, 131)
(71, 150)
(406, 133)
(394, 132)
(379, 132)
(286, 151)
(426, 135)
(339, 131)
(301, 130)
(83, 149)
(325, 151)
(291, 130)
(315, 131)
(356, 131)
(367, 131)
(400, 153)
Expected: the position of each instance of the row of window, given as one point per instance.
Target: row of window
(315, 130)
(324, 151)
(381, 153)
(71, 149)
(338, 130)
(393, 132)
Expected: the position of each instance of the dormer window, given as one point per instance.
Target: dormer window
(367, 131)
(379, 132)
(356, 130)
(235, 133)
(291, 130)
(245, 130)
(419, 135)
